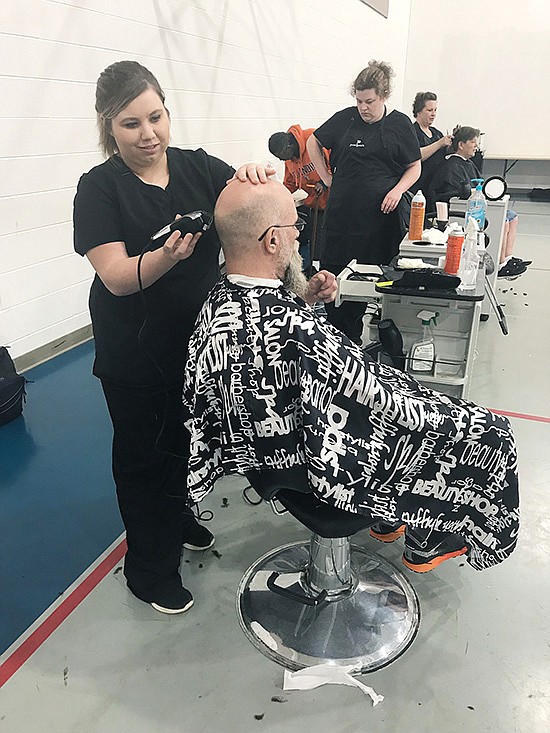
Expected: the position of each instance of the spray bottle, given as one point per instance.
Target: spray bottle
(416, 223)
(455, 242)
(477, 204)
(422, 353)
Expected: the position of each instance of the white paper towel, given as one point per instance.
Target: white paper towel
(327, 674)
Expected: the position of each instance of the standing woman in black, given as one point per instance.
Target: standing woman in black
(433, 143)
(375, 159)
(141, 337)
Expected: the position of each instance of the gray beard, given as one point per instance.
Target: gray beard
(294, 279)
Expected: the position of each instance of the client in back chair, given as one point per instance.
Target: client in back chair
(271, 383)
(453, 177)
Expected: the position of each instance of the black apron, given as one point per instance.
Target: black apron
(365, 172)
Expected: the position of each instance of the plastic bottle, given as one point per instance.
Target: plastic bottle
(469, 262)
(477, 204)
(416, 223)
(455, 241)
(422, 353)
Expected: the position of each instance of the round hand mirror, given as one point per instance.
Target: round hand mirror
(494, 188)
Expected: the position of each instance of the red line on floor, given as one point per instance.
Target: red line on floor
(522, 416)
(59, 614)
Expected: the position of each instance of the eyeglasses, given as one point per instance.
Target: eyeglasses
(299, 224)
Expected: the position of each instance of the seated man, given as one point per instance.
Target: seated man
(453, 177)
(270, 383)
(300, 173)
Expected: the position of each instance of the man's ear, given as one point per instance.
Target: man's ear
(270, 244)
(275, 239)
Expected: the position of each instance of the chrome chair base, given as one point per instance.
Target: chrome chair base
(367, 618)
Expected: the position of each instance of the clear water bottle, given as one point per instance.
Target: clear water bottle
(477, 204)
(469, 261)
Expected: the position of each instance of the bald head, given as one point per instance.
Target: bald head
(244, 210)
(256, 228)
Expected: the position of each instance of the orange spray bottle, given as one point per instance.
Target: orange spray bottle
(418, 210)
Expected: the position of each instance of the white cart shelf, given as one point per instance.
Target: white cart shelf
(455, 335)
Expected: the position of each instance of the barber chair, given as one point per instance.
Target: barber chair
(307, 603)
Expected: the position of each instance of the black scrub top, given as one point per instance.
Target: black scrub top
(369, 160)
(430, 165)
(133, 332)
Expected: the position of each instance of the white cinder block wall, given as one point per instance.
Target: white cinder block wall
(234, 72)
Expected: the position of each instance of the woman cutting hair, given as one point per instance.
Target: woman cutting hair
(141, 337)
(375, 159)
(433, 143)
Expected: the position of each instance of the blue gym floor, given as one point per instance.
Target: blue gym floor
(57, 502)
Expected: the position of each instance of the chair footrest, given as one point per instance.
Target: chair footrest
(300, 597)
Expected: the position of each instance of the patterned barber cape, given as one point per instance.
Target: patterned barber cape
(271, 384)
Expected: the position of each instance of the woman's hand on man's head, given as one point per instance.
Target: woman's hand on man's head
(254, 172)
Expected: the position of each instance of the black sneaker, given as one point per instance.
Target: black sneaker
(512, 270)
(423, 559)
(176, 600)
(517, 259)
(386, 532)
(195, 536)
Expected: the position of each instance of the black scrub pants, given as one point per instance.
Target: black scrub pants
(375, 247)
(150, 470)
(308, 214)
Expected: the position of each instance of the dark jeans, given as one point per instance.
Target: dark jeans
(149, 469)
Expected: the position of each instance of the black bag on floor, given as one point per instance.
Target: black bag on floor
(12, 388)
(540, 194)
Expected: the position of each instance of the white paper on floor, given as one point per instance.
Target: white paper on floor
(327, 674)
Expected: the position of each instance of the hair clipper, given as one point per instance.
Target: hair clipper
(191, 223)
